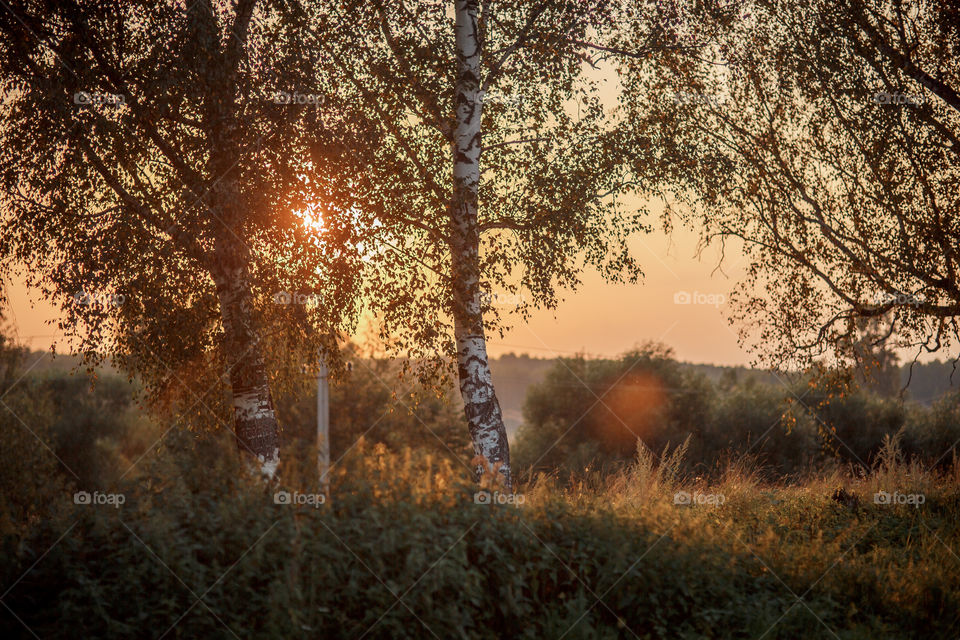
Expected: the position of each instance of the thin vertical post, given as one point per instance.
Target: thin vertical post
(323, 426)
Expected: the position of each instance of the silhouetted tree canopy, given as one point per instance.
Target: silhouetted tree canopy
(822, 138)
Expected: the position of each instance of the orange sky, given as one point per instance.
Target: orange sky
(600, 318)
(605, 319)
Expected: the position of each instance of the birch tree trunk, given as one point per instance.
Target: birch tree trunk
(482, 409)
(255, 423)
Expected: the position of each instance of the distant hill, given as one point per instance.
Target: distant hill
(512, 376)
(38, 362)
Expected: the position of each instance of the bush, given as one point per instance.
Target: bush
(596, 410)
(852, 426)
(31, 476)
(754, 419)
(788, 427)
(200, 547)
(98, 431)
(934, 432)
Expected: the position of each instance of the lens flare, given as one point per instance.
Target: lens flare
(630, 410)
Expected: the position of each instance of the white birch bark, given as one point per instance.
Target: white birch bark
(482, 409)
(255, 423)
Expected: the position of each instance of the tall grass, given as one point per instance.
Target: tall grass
(403, 549)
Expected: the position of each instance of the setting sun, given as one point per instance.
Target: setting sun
(312, 219)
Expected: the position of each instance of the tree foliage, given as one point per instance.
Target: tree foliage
(150, 181)
(822, 138)
(551, 192)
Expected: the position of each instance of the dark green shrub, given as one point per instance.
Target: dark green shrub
(97, 429)
(592, 412)
(933, 432)
(755, 419)
(596, 410)
(31, 476)
(403, 551)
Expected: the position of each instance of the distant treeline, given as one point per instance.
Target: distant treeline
(514, 374)
(592, 413)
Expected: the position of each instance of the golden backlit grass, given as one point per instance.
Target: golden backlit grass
(402, 548)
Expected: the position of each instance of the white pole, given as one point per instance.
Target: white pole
(323, 426)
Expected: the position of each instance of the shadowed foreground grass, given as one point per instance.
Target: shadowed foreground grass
(402, 549)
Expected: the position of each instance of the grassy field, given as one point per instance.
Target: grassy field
(404, 547)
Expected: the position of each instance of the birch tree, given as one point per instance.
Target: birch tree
(485, 169)
(148, 179)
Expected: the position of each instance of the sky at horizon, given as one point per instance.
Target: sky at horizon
(599, 319)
